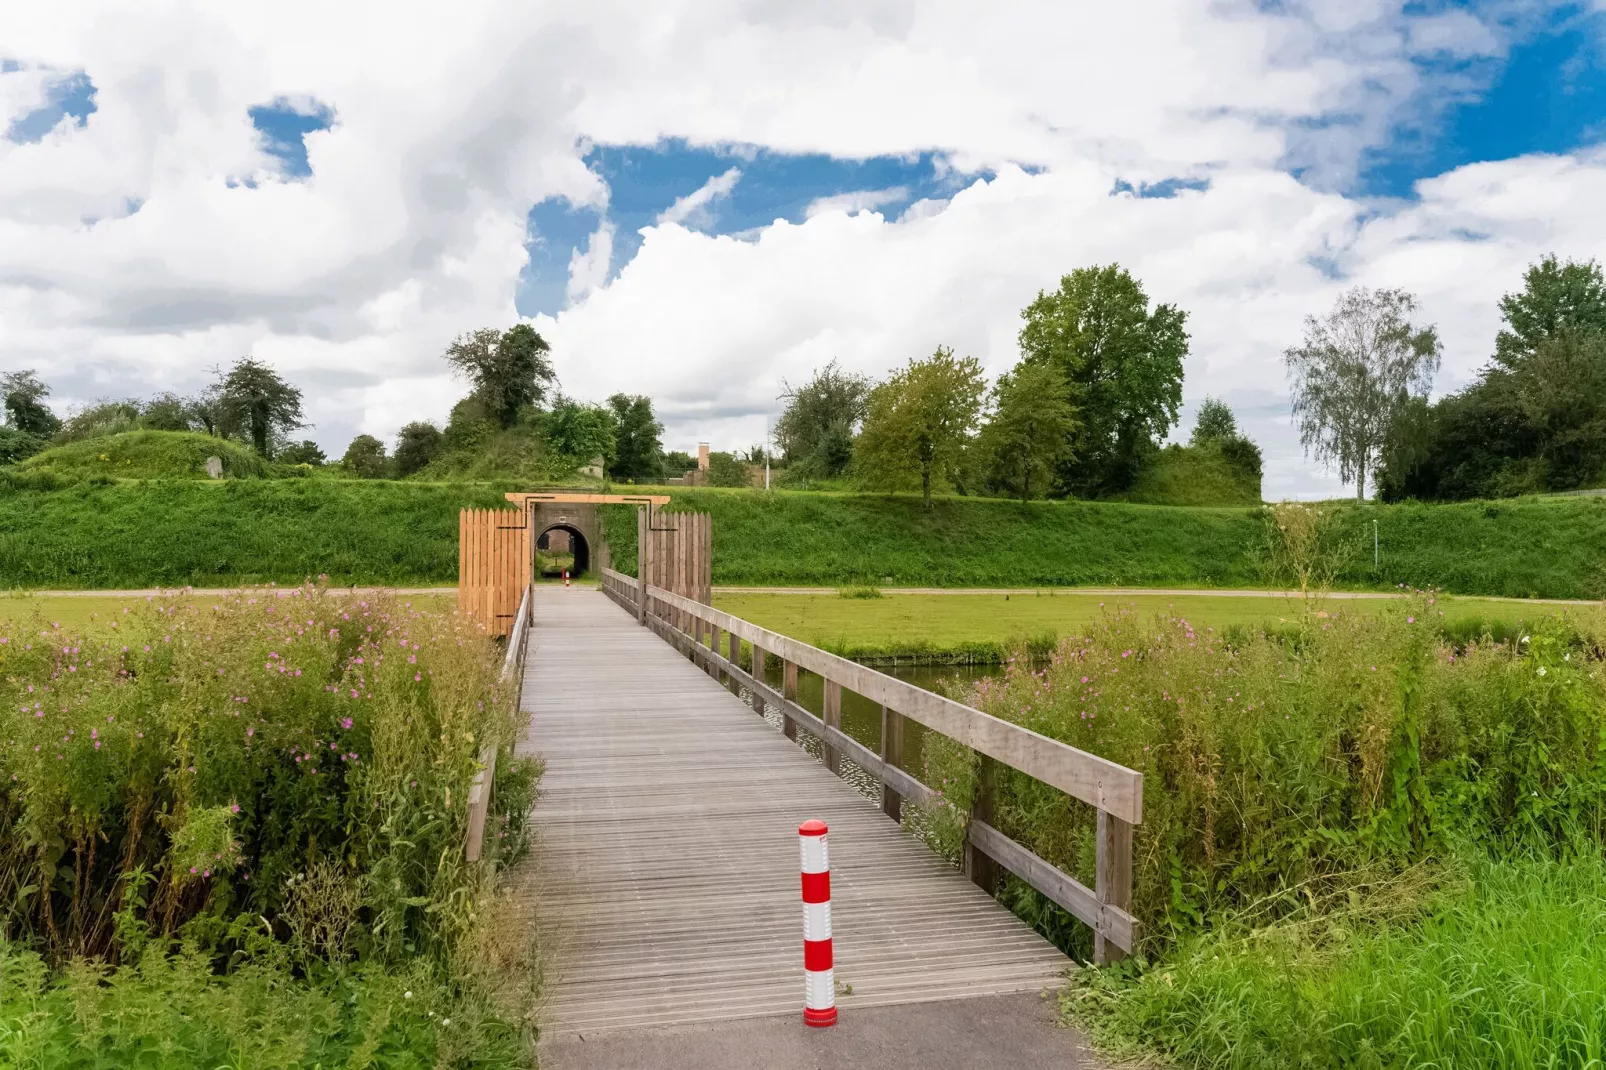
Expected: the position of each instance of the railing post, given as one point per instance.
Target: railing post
(1113, 883)
(789, 692)
(832, 716)
(758, 674)
(734, 654)
(892, 754)
(979, 867)
(713, 648)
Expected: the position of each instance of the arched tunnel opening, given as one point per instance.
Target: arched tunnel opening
(562, 547)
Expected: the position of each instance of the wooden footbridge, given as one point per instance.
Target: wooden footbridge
(666, 861)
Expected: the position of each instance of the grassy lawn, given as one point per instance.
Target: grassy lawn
(87, 611)
(931, 623)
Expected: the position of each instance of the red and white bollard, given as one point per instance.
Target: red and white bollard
(565, 577)
(819, 978)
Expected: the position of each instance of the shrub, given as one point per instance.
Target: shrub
(365, 458)
(725, 470)
(292, 759)
(18, 445)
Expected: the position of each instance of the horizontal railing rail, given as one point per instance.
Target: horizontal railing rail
(1113, 789)
(479, 789)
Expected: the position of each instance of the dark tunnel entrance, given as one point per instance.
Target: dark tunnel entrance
(561, 546)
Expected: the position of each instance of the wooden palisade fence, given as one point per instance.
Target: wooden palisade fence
(493, 565)
(479, 789)
(676, 553)
(1114, 790)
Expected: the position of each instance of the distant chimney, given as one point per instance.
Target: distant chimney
(702, 456)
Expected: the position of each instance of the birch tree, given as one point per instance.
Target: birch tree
(1357, 370)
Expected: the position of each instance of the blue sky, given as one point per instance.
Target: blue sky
(73, 95)
(646, 180)
(1548, 94)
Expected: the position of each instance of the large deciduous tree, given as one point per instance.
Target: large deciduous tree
(1029, 433)
(638, 446)
(1123, 362)
(24, 396)
(919, 422)
(815, 431)
(1556, 298)
(1354, 376)
(509, 369)
(255, 400)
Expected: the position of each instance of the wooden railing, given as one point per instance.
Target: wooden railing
(479, 789)
(1114, 790)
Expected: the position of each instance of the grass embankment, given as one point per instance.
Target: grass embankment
(216, 813)
(106, 534)
(986, 628)
(230, 533)
(1530, 548)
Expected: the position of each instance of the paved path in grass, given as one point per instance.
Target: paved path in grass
(1165, 592)
(1102, 592)
(666, 880)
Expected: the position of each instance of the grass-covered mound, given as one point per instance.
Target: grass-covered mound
(1530, 548)
(148, 455)
(1193, 475)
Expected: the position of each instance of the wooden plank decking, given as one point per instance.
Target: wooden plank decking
(667, 854)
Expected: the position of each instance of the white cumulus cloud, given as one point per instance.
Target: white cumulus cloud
(159, 239)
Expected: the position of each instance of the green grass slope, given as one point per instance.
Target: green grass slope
(98, 533)
(147, 455)
(206, 534)
(1530, 548)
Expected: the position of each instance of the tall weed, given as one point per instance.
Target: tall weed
(1275, 766)
(292, 759)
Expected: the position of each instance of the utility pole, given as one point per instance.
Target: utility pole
(1374, 546)
(766, 455)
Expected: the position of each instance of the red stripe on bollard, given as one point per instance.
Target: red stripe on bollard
(816, 887)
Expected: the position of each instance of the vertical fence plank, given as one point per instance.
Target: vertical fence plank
(832, 715)
(892, 754)
(979, 867)
(789, 692)
(1113, 882)
(643, 547)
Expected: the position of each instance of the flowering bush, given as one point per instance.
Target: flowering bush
(1271, 764)
(288, 759)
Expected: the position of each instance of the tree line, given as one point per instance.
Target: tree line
(513, 413)
(1083, 413)
(250, 402)
(1532, 421)
(1095, 392)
